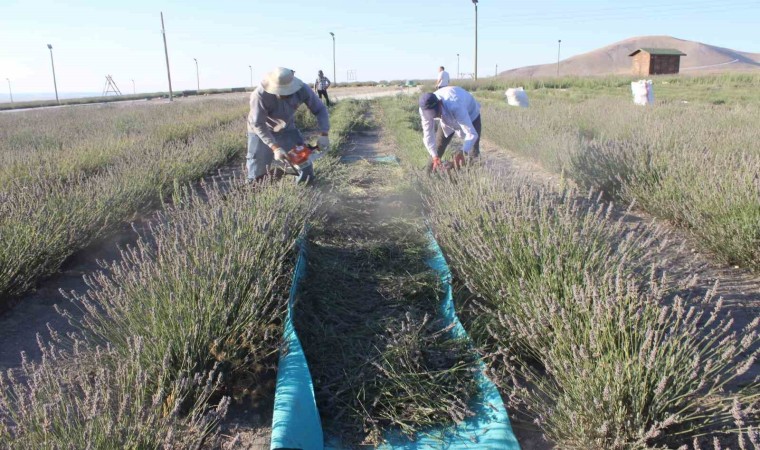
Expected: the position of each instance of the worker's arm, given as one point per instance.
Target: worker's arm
(317, 108)
(258, 120)
(465, 123)
(328, 83)
(428, 134)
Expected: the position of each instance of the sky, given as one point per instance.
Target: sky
(377, 40)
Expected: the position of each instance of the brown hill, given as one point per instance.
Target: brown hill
(614, 60)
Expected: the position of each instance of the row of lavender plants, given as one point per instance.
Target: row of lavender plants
(46, 216)
(185, 324)
(583, 334)
(694, 165)
(70, 142)
(186, 321)
(580, 328)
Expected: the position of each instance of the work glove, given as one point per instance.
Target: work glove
(279, 154)
(436, 163)
(323, 142)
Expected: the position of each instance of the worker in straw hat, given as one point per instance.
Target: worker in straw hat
(458, 113)
(271, 123)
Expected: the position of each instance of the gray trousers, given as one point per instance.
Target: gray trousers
(441, 142)
(260, 157)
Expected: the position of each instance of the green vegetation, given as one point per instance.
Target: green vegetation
(596, 351)
(191, 313)
(381, 359)
(693, 165)
(400, 116)
(186, 323)
(67, 185)
(729, 88)
(564, 298)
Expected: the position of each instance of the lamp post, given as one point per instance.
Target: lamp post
(251, 69)
(133, 87)
(458, 72)
(9, 89)
(496, 73)
(335, 79)
(55, 83)
(475, 2)
(197, 77)
(559, 47)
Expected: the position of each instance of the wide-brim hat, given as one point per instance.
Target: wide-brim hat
(281, 81)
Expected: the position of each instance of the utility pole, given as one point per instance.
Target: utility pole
(251, 69)
(197, 77)
(475, 2)
(10, 91)
(335, 79)
(133, 87)
(166, 52)
(496, 73)
(55, 83)
(559, 47)
(459, 74)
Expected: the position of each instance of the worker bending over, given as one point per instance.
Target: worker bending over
(272, 129)
(459, 113)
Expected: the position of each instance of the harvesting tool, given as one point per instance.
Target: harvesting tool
(299, 158)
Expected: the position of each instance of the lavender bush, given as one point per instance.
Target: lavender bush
(597, 353)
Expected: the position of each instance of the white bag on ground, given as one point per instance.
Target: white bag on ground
(517, 97)
(643, 92)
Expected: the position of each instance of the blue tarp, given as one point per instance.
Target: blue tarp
(296, 423)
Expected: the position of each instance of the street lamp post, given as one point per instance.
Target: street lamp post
(496, 72)
(55, 83)
(251, 69)
(133, 87)
(459, 74)
(335, 78)
(475, 2)
(197, 77)
(559, 47)
(10, 91)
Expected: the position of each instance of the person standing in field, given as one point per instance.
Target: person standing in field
(272, 130)
(443, 78)
(458, 113)
(321, 86)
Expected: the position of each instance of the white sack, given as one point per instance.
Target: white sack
(643, 92)
(517, 97)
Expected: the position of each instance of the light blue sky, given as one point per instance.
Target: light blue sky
(380, 40)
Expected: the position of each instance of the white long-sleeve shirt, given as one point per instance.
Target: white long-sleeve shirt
(460, 109)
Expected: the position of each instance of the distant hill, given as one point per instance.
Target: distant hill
(614, 60)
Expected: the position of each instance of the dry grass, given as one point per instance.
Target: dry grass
(380, 359)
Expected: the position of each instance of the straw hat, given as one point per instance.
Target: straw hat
(281, 81)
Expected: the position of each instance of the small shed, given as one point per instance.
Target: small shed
(656, 61)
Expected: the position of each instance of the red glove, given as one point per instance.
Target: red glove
(436, 162)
